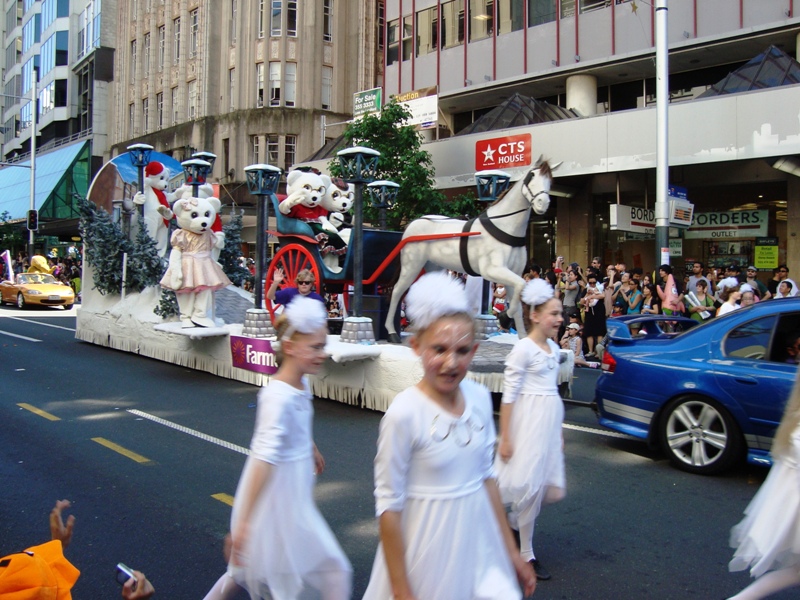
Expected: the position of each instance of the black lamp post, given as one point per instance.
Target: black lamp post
(262, 181)
(490, 185)
(140, 156)
(383, 194)
(196, 170)
(359, 166)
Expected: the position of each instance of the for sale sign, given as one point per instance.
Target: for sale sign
(503, 152)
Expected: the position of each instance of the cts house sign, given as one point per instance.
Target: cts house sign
(503, 152)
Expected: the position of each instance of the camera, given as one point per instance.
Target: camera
(124, 573)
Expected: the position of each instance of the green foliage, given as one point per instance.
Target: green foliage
(230, 254)
(145, 266)
(11, 237)
(168, 305)
(403, 161)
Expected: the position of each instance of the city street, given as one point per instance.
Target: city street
(150, 454)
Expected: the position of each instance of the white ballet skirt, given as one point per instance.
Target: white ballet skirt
(432, 466)
(768, 538)
(291, 553)
(534, 475)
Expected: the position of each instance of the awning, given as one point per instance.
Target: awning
(53, 172)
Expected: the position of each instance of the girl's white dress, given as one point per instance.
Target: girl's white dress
(535, 472)
(768, 538)
(432, 465)
(291, 552)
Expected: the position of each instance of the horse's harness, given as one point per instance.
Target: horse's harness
(493, 230)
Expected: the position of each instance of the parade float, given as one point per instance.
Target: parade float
(136, 301)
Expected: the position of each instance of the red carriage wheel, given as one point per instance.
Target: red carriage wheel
(292, 258)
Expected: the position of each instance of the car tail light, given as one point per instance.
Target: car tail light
(609, 363)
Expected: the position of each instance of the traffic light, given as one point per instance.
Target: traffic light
(33, 220)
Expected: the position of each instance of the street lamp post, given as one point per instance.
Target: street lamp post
(262, 181)
(34, 97)
(210, 158)
(490, 185)
(383, 194)
(196, 170)
(140, 156)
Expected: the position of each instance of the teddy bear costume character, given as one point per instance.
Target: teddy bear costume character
(206, 190)
(157, 212)
(339, 198)
(306, 191)
(193, 274)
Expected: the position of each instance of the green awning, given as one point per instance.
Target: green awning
(60, 174)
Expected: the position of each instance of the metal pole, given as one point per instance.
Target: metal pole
(33, 159)
(662, 129)
(358, 261)
(261, 242)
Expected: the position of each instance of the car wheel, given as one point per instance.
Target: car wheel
(699, 435)
(21, 304)
(67, 306)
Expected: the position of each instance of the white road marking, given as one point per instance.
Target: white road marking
(613, 434)
(22, 337)
(198, 434)
(39, 323)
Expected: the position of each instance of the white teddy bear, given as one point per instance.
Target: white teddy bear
(193, 274)
(157, 212)
(338, 200)
(205, 191)
(305, 191)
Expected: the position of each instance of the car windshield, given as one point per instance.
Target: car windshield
(28, 278)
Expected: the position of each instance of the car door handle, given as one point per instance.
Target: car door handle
(747, 380)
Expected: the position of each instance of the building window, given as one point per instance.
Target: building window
(393, 41)
(290, 151)
(194, 30)
(31, 32)
(273, 149)
(162, 46)
(175, 105)
(509, 16)
(146, 54)
(291, 18)
(327, 87)
(327, 20)
(160, 110)
(233, 21)
(274, 84)
(290, 93)
(275, 19)
(452, 23)
(427, 31)
(481, 19)
(260, 85)
(176, 28)
(192, 104)
(133, 62)
(254, 149)
(261, 17)
(408, 41)
(131, 116)
(381, 20)
(145, 119)
(542, 11)
(231, 88)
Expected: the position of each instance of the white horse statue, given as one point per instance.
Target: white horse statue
(498, 254)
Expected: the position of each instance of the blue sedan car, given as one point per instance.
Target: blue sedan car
(709, 395)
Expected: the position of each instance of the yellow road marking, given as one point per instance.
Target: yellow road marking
(38, 411)
(224, 498)
(124, 451)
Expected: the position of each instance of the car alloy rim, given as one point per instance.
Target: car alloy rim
(696, 433)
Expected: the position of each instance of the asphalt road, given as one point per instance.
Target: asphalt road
(630, 527)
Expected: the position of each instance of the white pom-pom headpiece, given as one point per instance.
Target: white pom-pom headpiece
(746, 287)
(305, 315)
(536, 292)
(728, 282)
(433, 296)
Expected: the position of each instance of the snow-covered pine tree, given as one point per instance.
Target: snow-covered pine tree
(105, 245)
(145, 267)
(229, 256)
(168, 305)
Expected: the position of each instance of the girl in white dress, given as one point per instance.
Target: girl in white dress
(443, 533)
(530, 457)
(767, 541)
(282, 548)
